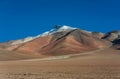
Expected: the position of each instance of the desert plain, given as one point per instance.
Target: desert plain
(102, 64)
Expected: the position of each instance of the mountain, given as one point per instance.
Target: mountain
(113, 37)
(59, 41)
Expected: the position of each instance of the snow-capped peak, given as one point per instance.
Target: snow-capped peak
(64, 28)
(55, 30)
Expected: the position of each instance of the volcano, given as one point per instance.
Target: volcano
(62, 40)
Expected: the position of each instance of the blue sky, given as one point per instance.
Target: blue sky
(21, 18)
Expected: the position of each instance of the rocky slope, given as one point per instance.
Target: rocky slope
(59, 41)
(113, 37)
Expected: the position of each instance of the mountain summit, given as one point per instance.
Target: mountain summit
(62, 40)
(56, 29)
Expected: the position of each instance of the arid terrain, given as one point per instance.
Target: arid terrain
(62, 53)
(102, 64)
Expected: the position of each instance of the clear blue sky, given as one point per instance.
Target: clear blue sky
(21, 18)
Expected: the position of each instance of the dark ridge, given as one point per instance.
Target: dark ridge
(107, 35)
(117, 41)
(60, 35)
(118, 48)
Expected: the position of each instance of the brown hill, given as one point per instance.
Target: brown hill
(111, 36)
(62, 42)
(75, 41)
(114, 37)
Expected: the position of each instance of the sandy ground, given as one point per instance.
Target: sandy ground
(104, 64)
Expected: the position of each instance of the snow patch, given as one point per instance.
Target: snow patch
(87, 31)
(22, 40)
(66, 28)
